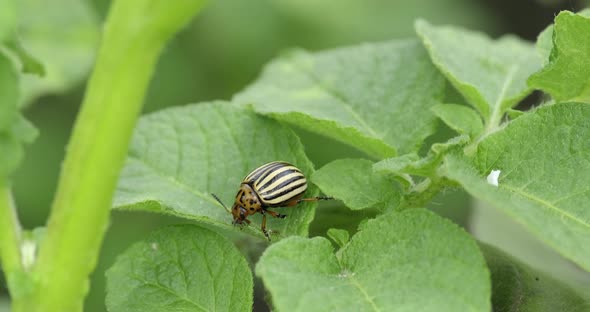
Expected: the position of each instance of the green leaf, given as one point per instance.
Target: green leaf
(566, 76)
(339, 236)
(517, 287)
(514, 113)
(12, 154)
(412, 260)
(7, 20)
(375, 97)
(354, 182)
(414, 165)
(63, 40)
(11, 144)
(545, 44)
(544, 163)
(404, 164)
(545, 40)
(29, 64)
(180, 268)
(460, 118)
(9, 94)
(420, 192)
(14, 128)
(179, 156)
(334, 214)
(23, 130)
(491, 74)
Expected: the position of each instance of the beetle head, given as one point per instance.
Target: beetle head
(239, 213)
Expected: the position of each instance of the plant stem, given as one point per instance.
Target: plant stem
(424, 192)
(10, 235)
(134, 34)
(495, 119)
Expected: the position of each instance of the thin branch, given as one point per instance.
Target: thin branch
(10, 234)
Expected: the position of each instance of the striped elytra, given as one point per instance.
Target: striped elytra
(275, 184)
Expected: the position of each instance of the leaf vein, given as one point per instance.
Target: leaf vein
(206, 261)
(546, 204)
(360, 287)
(186, 299)
(347, 105)
(173, 180)
(555, 201)
(238, 146)
(207, 155)
(504, 89)
(180, 149)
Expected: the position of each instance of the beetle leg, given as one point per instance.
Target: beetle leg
(276, 214)
(311, 199)
(315, 199)
(241, 225)
(263, 227)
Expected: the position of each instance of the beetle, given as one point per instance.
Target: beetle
(275, 184)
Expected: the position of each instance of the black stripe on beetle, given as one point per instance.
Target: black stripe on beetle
(292, 180)
(262, 171)
(285, 174)
(284, 195)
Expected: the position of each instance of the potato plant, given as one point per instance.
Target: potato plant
(386, 99)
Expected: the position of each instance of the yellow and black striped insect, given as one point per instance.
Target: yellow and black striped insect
(276, 184)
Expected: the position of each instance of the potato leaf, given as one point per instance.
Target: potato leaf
(490, 74)
(543, 159)
(354, 182)
(518, 287)
(375, 97)
(180, 268)
(179, 156)
(566, 77)
(392, 264)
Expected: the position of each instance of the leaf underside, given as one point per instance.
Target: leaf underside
(517, 287)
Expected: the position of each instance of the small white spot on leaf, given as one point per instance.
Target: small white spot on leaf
(493, 177)
(154, 246)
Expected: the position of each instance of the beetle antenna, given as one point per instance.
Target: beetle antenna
(219, 201)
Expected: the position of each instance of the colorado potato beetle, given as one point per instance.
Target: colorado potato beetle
(275, 184)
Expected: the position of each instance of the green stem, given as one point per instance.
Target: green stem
(134, 34)
(493, 123)
(492, 126)
(10, 236)
(423, 193)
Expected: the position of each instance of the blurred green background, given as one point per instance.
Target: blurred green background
(224, 49)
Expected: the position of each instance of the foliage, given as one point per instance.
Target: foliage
(170, 170)
(384, 267)
(375, 97)
(180, 268)
(353, 182)
(516, 286)
(135, 33)
(536, 188)
(571, 49)
(384, 99)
